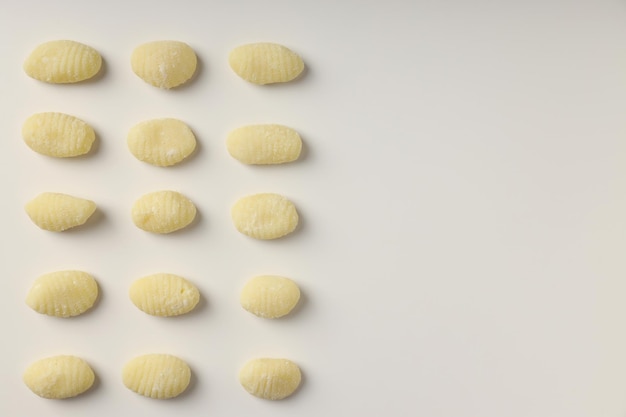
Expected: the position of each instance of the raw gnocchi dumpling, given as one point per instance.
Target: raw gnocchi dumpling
(164, 64)
(161, 142)
(163, 212)
(270, 378)
(264, 144)
(164, 295)
(157, 376)
(265, 63)
(57, 212)
(264, 216)
(59, 377)
(62, 62)
(269, 296)
(63, 293)
(57, 134)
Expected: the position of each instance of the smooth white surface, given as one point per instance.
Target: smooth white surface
(463, 197)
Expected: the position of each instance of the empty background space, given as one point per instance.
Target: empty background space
(462, 195)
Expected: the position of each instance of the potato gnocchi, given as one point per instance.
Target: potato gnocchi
(269, 378)
(58, 135)
(57, 212)
(163, 212)
(62, 62)
(164, 295)
(269, 296)
(59, 377)
(63, 293)
(164, 64)
(157, 376)
(264, 144)
(161, 142)
(264, 216)
(265, 63)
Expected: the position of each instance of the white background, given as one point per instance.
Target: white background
(462, 194)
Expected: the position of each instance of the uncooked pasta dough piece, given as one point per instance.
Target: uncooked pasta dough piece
(269, 378)
(57, 134)
(63, 293)
(62, 62)
(57, 212)
(269, 296)
(164, 295)
(161, 142)
(264, 216)
(265, 63)
(163, 212)
(157, 376)
(264, 144)
(59, 377)
(164, 64)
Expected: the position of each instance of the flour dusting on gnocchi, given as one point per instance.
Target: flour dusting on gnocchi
(59, 377)
(159, 376)
(57, 212)
(164, 295)
(161, 142)
(63, 293)
(62, 62)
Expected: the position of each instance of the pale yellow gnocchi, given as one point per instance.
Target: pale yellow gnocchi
(57, 212)
(164, 64)
(164, 295)
(161, 142)
(57, 134)
(270, 378)
(157, 376)
(163, 212)
(264, 216)
(269, 296)
(265, 63)
(63, 293)
(264, 144)
(59, 377)
(63, 61)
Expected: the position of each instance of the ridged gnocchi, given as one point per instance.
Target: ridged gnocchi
(164, 295)
(157, 376)
(63, 293)
(57, 134)
(161, 142)
(264, 216)
(265, 63)
(163, 212)
(59, 377)
(57, 212)
(269, 296)
(269, 378)
(62, 62)
(264, 144)
(164, 64)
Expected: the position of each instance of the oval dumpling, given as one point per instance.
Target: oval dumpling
(163, 212)
(63, 293)
(161, 142)
(164, 64)
(59, 377)
(269, 378)
(265, 63)
(164, 295)
(264, 144)
(57, 212)
(264, 216)
(157, 376)
(269, 296)
(58, 135)
(62, 62)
